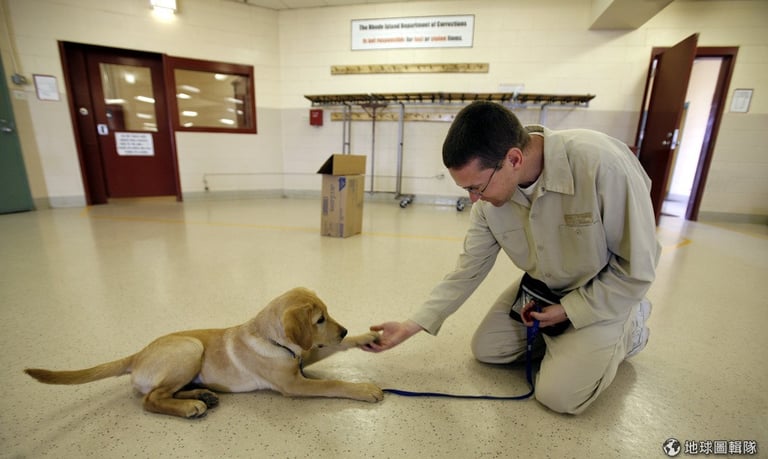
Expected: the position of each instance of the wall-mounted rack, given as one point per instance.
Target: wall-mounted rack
(409, 68)
(434, 98)
(372, 102)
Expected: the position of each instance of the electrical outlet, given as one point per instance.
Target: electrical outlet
(18, 79)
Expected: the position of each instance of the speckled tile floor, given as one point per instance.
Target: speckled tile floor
(83, 286)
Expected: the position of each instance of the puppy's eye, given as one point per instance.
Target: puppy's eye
(321, 319)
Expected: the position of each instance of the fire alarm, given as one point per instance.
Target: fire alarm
(315, 116)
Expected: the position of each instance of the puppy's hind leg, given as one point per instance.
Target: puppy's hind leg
(163, 369)
(208, 397)
(162, 401)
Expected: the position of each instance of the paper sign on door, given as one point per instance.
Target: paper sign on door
(134, 144)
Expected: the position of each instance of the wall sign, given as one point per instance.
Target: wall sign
(740, 100)
(134, 144)
(46, 87)
(413, 32)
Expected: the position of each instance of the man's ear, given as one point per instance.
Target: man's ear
(297, 323)
(515, 157)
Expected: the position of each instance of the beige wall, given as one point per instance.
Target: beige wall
(205, 29)
(545, 45)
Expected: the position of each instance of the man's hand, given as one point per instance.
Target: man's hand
(549, 315)
(392, 334)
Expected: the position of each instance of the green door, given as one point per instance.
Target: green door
(14, 188)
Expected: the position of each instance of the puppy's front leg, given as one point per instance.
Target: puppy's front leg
(305, 387)
(317, 354)
(359, 340)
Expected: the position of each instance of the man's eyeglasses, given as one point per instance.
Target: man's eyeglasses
(479, 191)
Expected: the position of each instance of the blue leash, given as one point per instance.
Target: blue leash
(531, 333)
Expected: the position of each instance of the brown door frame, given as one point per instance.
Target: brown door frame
(728, 56)
(81, 107)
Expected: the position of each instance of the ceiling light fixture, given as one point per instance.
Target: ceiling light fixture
(164, 6)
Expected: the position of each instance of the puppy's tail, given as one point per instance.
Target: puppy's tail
(105, 370)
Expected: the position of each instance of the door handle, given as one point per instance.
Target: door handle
(671, 139)
(6, 127)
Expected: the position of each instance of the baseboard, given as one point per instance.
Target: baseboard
(53, 202)
(425, 199)
(233, 195)
(315, 194)
(727, 217)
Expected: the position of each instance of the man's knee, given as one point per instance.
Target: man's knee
(480, 349)
(488, 350)
(558, 396)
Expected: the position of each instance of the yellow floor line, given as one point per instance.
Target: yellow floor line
(86, 213)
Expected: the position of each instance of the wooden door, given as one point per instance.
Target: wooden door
(665, 109)
(120, 110)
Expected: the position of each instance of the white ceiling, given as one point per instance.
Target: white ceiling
(609, 14)
(294, 4)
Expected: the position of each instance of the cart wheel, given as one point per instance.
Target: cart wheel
(460, 205)
(405, 201)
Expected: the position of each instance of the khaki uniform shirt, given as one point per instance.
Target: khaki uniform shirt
(588, 232)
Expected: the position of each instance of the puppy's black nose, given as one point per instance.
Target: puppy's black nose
(343, 333)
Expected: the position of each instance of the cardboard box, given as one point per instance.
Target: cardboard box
(342, 195)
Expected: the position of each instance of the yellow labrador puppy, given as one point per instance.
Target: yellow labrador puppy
(176, 371)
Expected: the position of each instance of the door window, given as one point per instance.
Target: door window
(209, 99)
(212, 96)
(129, 97)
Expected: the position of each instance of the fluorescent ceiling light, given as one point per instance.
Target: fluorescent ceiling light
(163, 5)
(146, 99)
(189, 88)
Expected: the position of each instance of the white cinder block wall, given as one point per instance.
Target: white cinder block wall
(545, 45)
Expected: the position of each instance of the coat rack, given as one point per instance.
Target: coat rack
(371, 103)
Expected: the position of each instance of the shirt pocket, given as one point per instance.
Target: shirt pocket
(584, 249)
(515, 245)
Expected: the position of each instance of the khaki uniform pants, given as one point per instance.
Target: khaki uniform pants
(577, 366)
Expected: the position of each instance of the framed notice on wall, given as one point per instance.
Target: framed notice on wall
(46, 87)
(741, 100)
(413, 32)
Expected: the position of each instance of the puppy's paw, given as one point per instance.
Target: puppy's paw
(196, 409)
(210, 399)
(368, 392)
(362, 340)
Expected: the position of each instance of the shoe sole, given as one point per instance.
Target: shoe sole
(643, 312)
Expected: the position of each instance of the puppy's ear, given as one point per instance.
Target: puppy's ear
(297, 323)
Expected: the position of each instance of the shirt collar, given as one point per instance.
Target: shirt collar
(556, 173)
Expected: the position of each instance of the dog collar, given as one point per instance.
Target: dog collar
(293, 354)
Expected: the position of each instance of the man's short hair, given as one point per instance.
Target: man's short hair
(483, 130)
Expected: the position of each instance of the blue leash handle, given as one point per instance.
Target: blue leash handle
(531, 333)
